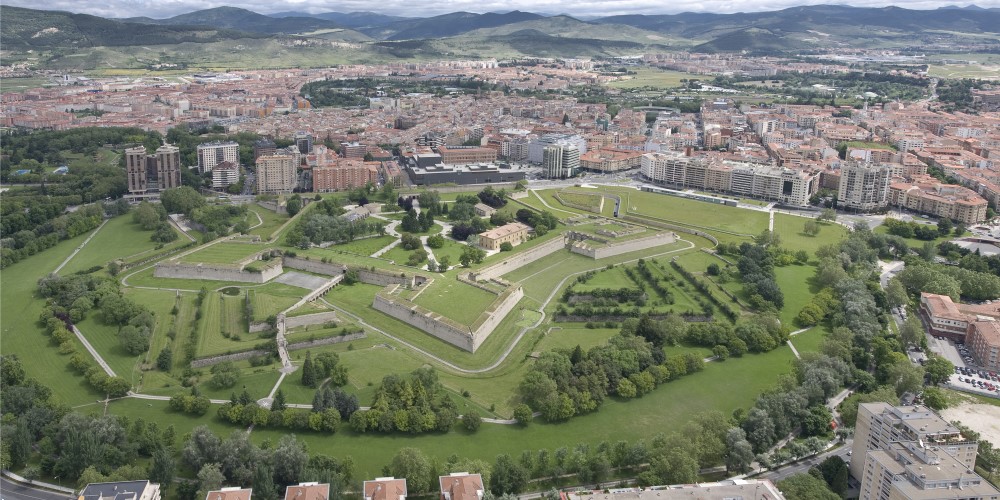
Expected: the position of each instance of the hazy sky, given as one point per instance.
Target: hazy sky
(419, 8)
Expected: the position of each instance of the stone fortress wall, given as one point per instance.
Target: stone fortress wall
(519, 260)
(201, 271)
(612, 249)
(464, 337)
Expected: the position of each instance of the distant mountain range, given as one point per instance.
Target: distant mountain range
(819, 26)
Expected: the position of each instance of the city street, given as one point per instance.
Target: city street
(10, 490)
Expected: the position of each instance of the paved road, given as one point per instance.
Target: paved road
(12, 491)
(803, 466)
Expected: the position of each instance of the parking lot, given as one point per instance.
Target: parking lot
(978, 381)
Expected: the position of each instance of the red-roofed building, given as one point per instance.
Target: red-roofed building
(385, 488)
(984, 343)
(461, 486)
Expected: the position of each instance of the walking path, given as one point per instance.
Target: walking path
(93, 352)
(80, 247)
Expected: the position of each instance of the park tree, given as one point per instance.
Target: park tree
(162, 467)
(308, 373)
(945, 226)
(523, 414)
(739, 452)
(146, 216)
(289, 459)
(935, 398)
(412, 464)
(203, 447)
(828, 214)
(811, 228)
(911, 331)
(210, 478)
(165, 359)
(182, 200)
(507, 477)
(806, 487)
(134, 340)
(896, 293)
(278, 403)
(293, 205)
(938, 369)
(835, 472)
(471, 420)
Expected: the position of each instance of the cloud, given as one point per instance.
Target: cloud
(584, 8)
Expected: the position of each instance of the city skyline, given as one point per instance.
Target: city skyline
(584, 9)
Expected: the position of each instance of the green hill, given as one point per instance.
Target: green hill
(28, 28)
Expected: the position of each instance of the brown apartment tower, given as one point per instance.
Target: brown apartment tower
(152, 173)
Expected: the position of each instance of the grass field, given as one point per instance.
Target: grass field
(223, 253)
(790, 229)
(654, 78)
(20, 307)
(366, 246)
(455, 300)
(690, 212)
(592, 201)
(271, 221)
(810, 340)
(722, 387)
(273, 298)
(452, 249)
(20, 84)
(794, 282)
(568, 337)
(119, 238)
(400, 256)
(964, 71)
(915, 243)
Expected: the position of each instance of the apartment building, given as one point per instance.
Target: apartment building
(230, 493)
(211, 154)
(984, 343)
(308, 491)
(463, 155)
(121, 490)
(896, 448)
(910, 452)
(536, 148)
(610, 160)
(561, 161)
(224, 175)
(155, 172)
(264, 147)
(955, 202)
(276, 174)
(864, 187)
(344, 174)
(304, 142)
(353, 150)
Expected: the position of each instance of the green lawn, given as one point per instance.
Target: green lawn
(789, 228)
(22, 334)
(272, 221)
(689, 212)
(223, 253)
(366, 246)
(400, 256)
(452, 249)
(915, 243)
(272, 298)
(455, 300)
(810, 340)
(794, 283)
(590, 200)
(119, 238)
(568, 337)
(722, 387)
(654, 78)
(104, 338)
